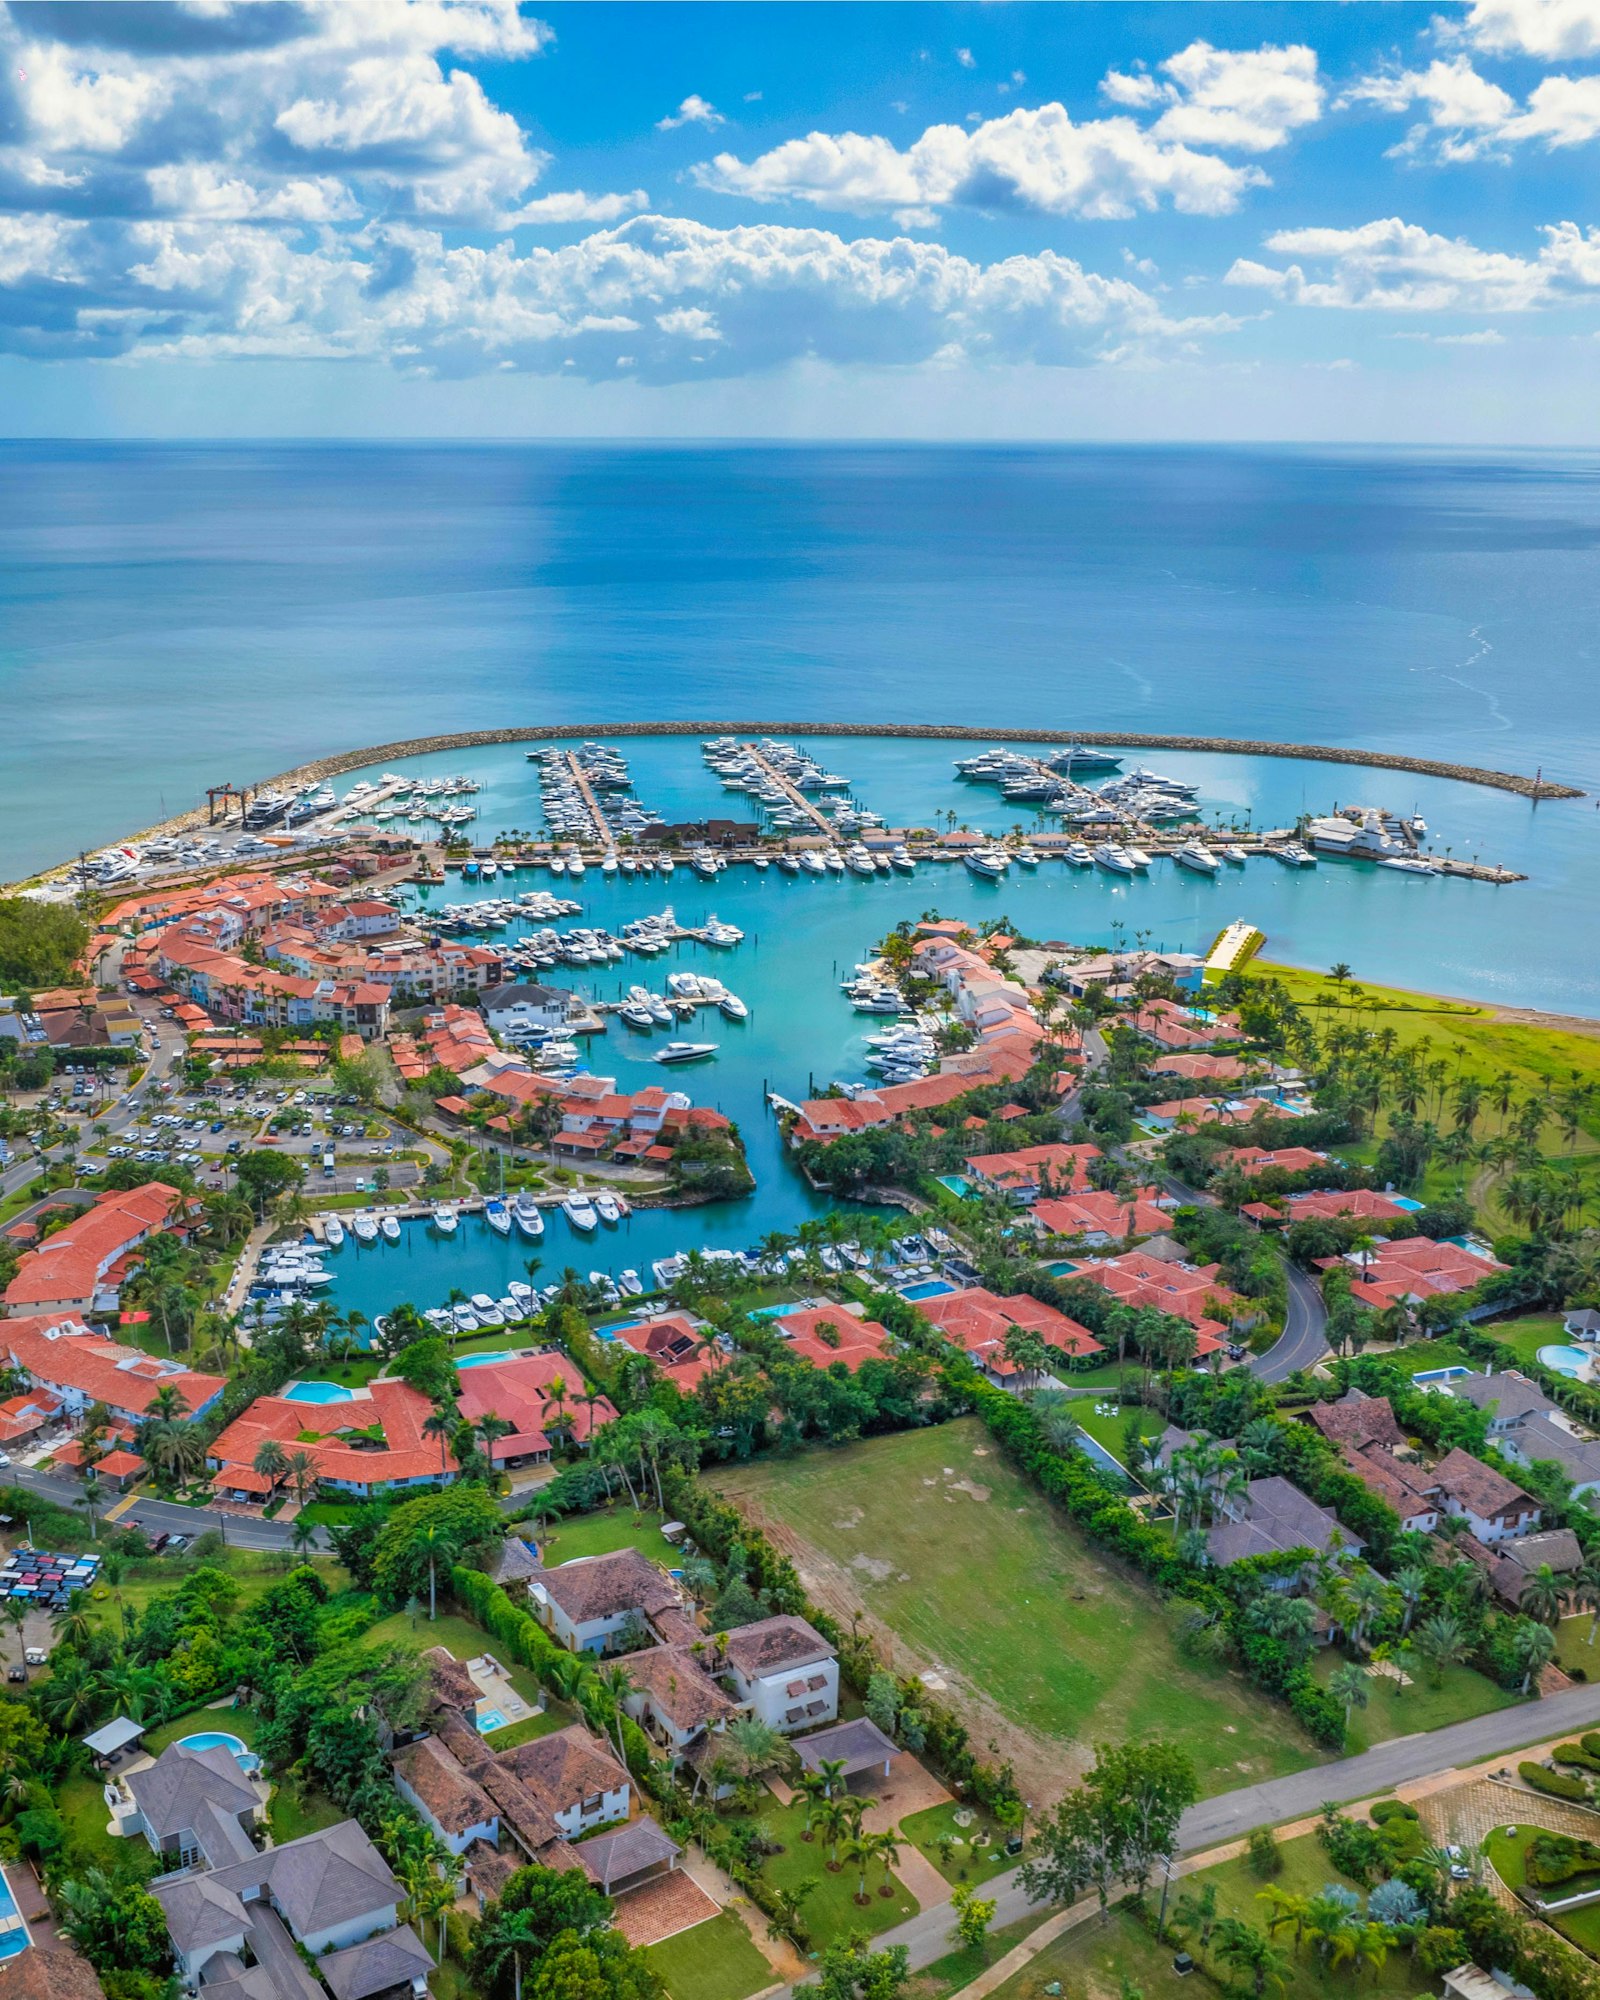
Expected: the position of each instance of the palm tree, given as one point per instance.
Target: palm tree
(439, 1424)
(836, 1822)
(619, 1684)
(1195, 1914)
(831, 1771)
(1411, 1582)
(757, 1745)
(886, 1848)
(302, 1472)
(1243, 1948)
(1533, 1647)
(17, 1618)
(1441, 1642)
(1349, 1685)
(167, 1404)
(271, 1461)
(1541, 1596)
(304, 1537)
(1287, 1908)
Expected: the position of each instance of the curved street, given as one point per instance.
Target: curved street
(1303, 1341)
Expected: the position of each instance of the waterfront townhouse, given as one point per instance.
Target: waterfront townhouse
(82, 1268)
(825, 1335)
(1173, 1027)
(676, 1343)
(542, 1397)
(79, 1367)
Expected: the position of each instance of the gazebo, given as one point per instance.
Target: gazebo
(107, 1743)
(860, 1745)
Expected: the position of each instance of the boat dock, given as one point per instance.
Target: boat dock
(792, 793)
(586, 792)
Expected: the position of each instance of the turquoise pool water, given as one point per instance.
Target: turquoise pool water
(318, 1392)
(219, 1739)
(13, 1931)
(1566, 1360)
(1440, 1374)
(1061, 1270)
(772, 1312)
(1094, 1450)
(490, 1719)
(478, 1360)
(1405, 1201)
(956, 1183)
(931, 1288)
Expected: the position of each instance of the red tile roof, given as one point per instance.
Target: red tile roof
(980, 1320)
(121, 1377)
(858, 1340)
(71, 1264)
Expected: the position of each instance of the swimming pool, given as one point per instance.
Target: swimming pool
(930, 1288)
(1440, 1374)
(13, 1931)
(219, 1739)
(956, 1183)
(1061, 1270)
(490, 1719)
(1094, 1450)
(1405, 1201)
(774, 1312)
(318, 1392)
(478, 1360)
(1566, 1360)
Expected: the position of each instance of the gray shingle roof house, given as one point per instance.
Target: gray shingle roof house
(185, 1796)
(1509, 1398)
(396, 1959)
(228, 1902)
(1275, 1517)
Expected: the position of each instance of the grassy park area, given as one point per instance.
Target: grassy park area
(965, 1566)
(1427, 1704)
(716, 1960)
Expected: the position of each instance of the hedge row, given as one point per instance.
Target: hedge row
(1556, 1783)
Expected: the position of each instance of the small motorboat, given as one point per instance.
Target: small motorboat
(498, 1216)
(389, 1228)
(445, 1219)
(630, 1283)
(333, 1233)
(605, 1206)
(365, 1227)
(528, 1216)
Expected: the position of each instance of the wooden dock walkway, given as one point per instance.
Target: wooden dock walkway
(818, 818)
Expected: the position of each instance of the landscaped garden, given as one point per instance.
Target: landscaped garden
(964, 1844)
(597, 1534)
(1430, 1702)
(1556, 1874)
(941, 1543)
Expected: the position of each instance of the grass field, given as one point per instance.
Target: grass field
(967, 1863)
(958, 1968)
(296, 1811)
(1580, 1927)
(830, 1909)
(716, 1960)
(953, 1554)
(1390, 1713)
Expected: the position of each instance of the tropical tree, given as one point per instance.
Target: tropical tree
(1533, 1647)
(1542, 1596)
(1350, 1687)
(1244, 1950)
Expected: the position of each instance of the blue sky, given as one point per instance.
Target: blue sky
(457, 217)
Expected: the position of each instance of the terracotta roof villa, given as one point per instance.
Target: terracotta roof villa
(584, 1602)
(980, 1321)
(344, 1457)
(81, 1267)
(79, 1367)
(1357, 1419)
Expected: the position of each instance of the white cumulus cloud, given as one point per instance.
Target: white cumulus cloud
(1396, 266)
(1550, 30)
(694, 110)
(1469, 117)
(577, 206)
(1242, 100)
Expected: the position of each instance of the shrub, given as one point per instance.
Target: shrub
(1557, 1857)
(1265, 1858)
(1556, 1784)
(1575, 1753)
(1388, 1809)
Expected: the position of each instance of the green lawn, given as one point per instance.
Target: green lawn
(254, 1571)
(84, 1809)
(543, 1724)
(1526, 1336)
(240, 1722)
(1418, 1356)
(295, 1812)
(1107, 1431)
(1392, 1712)
(716, 1960)
(957, 1969)
(969, 1566)
(599, 1533)
(1574, 1649)
(967, 1863)
(830, 1910)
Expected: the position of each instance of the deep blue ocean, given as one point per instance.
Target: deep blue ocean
(173, 617)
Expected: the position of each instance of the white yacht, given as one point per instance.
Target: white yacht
(833, 860)
(528, 1216)
(1408, 864)
(498, 1216)
(636, 1014)
(1113, 858)
(811, 862)
(445, 1219)
(988, 862)
(579, 1212)
(389, 1228)
(1078, 855)
(605, 1206)
(902, 858)
(1234, 855)
(365, 1227)
(629, 1284)
(333, 1233)
(789, 863)
(1137, 856)
(1293, 855)
(464, 1319)
(683, 1052)
(733, 1008)
(1025, 857)
(1196, 855)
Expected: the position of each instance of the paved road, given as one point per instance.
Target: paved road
(160, 1516)
(1234, 1814)
(1303, 1341)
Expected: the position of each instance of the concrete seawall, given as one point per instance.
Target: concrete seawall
(468, 739)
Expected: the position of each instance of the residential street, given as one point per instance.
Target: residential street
(1234, 1814)
(1303, 1341)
